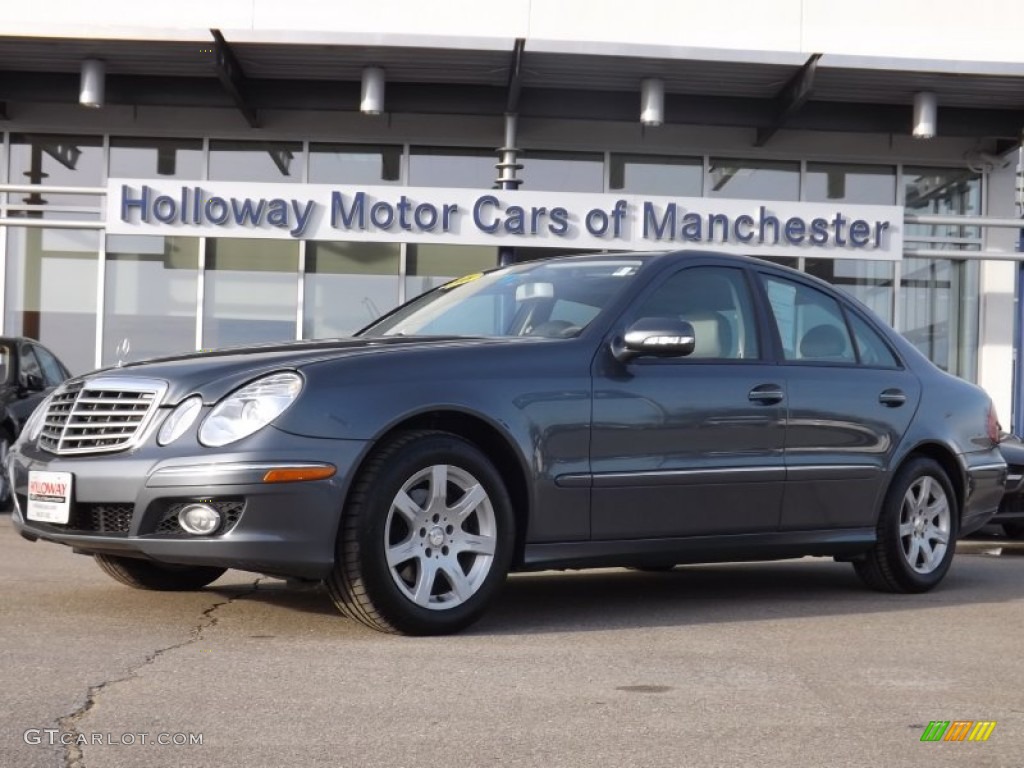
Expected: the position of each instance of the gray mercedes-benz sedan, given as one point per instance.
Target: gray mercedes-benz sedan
(639, 410)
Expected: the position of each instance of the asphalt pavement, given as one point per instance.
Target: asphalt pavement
(768, 664)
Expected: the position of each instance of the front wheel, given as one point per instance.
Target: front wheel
(426, 538)
(917, 531)
(143, 574)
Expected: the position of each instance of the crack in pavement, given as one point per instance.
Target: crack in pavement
(68, 724)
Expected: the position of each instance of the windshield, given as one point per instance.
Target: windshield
(555, 299)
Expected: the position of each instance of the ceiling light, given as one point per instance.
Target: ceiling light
(371, 101)
(652, 101)
(925, 115)
(93, 84)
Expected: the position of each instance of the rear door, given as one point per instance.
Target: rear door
(850, 402)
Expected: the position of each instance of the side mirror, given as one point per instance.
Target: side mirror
(655, 336)
(33, 382)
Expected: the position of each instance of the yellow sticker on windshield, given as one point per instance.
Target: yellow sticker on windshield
(462, 280)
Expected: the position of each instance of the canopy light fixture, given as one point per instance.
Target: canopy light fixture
(371, 101)
(652, 101)
(93, 84)
(926, 112)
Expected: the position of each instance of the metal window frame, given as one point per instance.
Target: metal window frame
(959, 254)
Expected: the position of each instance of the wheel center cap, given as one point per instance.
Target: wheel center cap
(919, 525)
(436, 536)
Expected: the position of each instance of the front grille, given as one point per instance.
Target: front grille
(102, 518)
(106, 519)
(99, 415)
(230, 510)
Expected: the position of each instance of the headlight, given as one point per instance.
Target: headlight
(34, 424)
(179, 420)
(249, 409)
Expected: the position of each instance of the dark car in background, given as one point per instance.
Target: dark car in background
(637, 410)
(28, 371)
(1011, 509)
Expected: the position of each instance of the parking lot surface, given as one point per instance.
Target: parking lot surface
(765, 664)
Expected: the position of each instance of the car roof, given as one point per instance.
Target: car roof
(650, 256)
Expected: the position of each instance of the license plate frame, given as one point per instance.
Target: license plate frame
(49, 497)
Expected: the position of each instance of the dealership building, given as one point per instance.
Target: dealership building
(195, 175)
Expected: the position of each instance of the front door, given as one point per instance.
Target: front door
(691, 445)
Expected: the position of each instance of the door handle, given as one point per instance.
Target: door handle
(893, 398)
(766, 394)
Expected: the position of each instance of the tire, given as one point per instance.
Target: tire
(1014, 530)
(917, 530)
(6, 495)
(143, 574)
(412, 561)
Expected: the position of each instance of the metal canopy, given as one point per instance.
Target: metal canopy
(762, 95)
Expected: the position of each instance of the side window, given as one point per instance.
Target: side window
(716, 301)
(52, 372)
(29, 364)
(873, 351)
(810, 323)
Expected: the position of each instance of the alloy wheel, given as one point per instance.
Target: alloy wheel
(925, 524)
(440, 537)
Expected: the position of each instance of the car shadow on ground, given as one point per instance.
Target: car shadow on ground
(609, 599)
(734, 592)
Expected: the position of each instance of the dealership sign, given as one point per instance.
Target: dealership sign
(501, 217)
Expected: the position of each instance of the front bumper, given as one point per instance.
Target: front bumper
(124, 503)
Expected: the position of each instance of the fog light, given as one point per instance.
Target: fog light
(199, 519)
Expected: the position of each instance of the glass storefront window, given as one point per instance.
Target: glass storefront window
(929, 316)
(139, 158)
(428, 266)
(251, 293)
(562, 171)
(871, 282)
(940, 297)
(354, 164)
(939, 313)
(753, 179)
(452, 167)
(348, 286)
(55, 160)
(656, 175)
(942, 191)
(51, 291)
(150, 297)
(850, 183)
(256, 161)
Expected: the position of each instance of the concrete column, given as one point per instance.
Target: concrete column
(998, 296)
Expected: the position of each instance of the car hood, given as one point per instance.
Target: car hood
(215, 373)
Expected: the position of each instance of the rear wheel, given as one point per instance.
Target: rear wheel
(144, 574)
(917, 531)
(426, 539)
